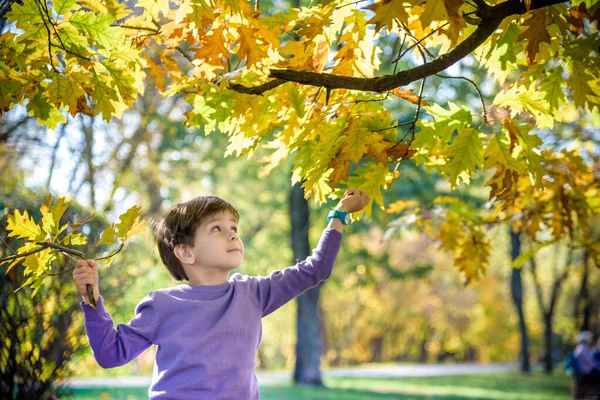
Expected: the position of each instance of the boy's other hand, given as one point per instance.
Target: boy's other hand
(354, 200)
(86, 272)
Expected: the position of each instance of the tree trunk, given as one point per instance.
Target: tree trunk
(548, 361)
(583, 321)
(516, 289)
(308, 345)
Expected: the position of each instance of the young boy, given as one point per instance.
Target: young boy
(207, 332)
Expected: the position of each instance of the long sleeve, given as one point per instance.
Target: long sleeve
(116, 347)
(273, 291)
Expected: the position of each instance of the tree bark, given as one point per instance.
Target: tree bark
(308, 329)
(516, 289)
(582, 316)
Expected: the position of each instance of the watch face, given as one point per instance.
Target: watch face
(347, 219)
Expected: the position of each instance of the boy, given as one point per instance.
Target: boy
(207, 332)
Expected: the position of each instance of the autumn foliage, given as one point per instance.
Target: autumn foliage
(313, 83)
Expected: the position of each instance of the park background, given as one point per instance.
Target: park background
(395, 296)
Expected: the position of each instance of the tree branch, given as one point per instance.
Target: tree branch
(491, 17)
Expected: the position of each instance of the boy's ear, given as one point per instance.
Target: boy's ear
(184, 254)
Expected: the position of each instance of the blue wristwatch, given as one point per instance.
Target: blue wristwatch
(343, 216)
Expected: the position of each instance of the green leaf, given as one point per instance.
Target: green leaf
(108, 236)
(520, 99)
(501, 55)
(64, 91)
(39, 105)
(75, 238)
(23, 227)
(97, 28)
(579, 82)
(51, 215)
(498, 152)
(552, 87)
(62, 6)
(464, 155)
(435, 135)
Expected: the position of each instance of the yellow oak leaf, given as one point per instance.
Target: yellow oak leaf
(434, 11)
(386, 11)
(400, 205)
(23, 226)
(252, 48)
(354, 141)
(129, 224)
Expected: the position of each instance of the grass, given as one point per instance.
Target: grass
(497, 386)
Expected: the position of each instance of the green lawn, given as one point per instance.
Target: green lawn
(500, 386)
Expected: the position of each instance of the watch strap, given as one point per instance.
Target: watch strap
(341, 215)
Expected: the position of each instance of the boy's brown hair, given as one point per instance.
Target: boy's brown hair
(179, 225)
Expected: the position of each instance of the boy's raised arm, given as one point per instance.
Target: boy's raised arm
(281, 286)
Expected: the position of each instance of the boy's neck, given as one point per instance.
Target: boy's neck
(207, 278)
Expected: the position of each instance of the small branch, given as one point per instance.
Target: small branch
(28, 253)
(7, 245)
(139, 28)
(62, 249)
(62, 272)
(414, 123)
(393, 126)
(118, 249)
(37, 2)
(476, 88)
(72, 52)
(262, 88)
(418, 42)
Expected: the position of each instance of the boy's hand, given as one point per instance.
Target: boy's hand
(354, 200)
(86, 273)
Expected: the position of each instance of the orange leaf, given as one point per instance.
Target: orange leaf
(408, 96)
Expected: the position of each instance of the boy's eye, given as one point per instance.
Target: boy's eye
(218, 228)
(235, 229)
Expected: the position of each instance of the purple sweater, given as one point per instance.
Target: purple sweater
(206, 336)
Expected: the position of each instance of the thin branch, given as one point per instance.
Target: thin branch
(62, 47)
(62, 272)
(419, 42)
(37, 2)
(399, 50)
(7, 245)
(537, 285)
(476, 88)
(62, 249)
(393, 126)
(139, 28)
(63, 131)
(491, 17)
(118, 249)
(28, 253)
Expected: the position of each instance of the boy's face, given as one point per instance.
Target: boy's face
(217, 246)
